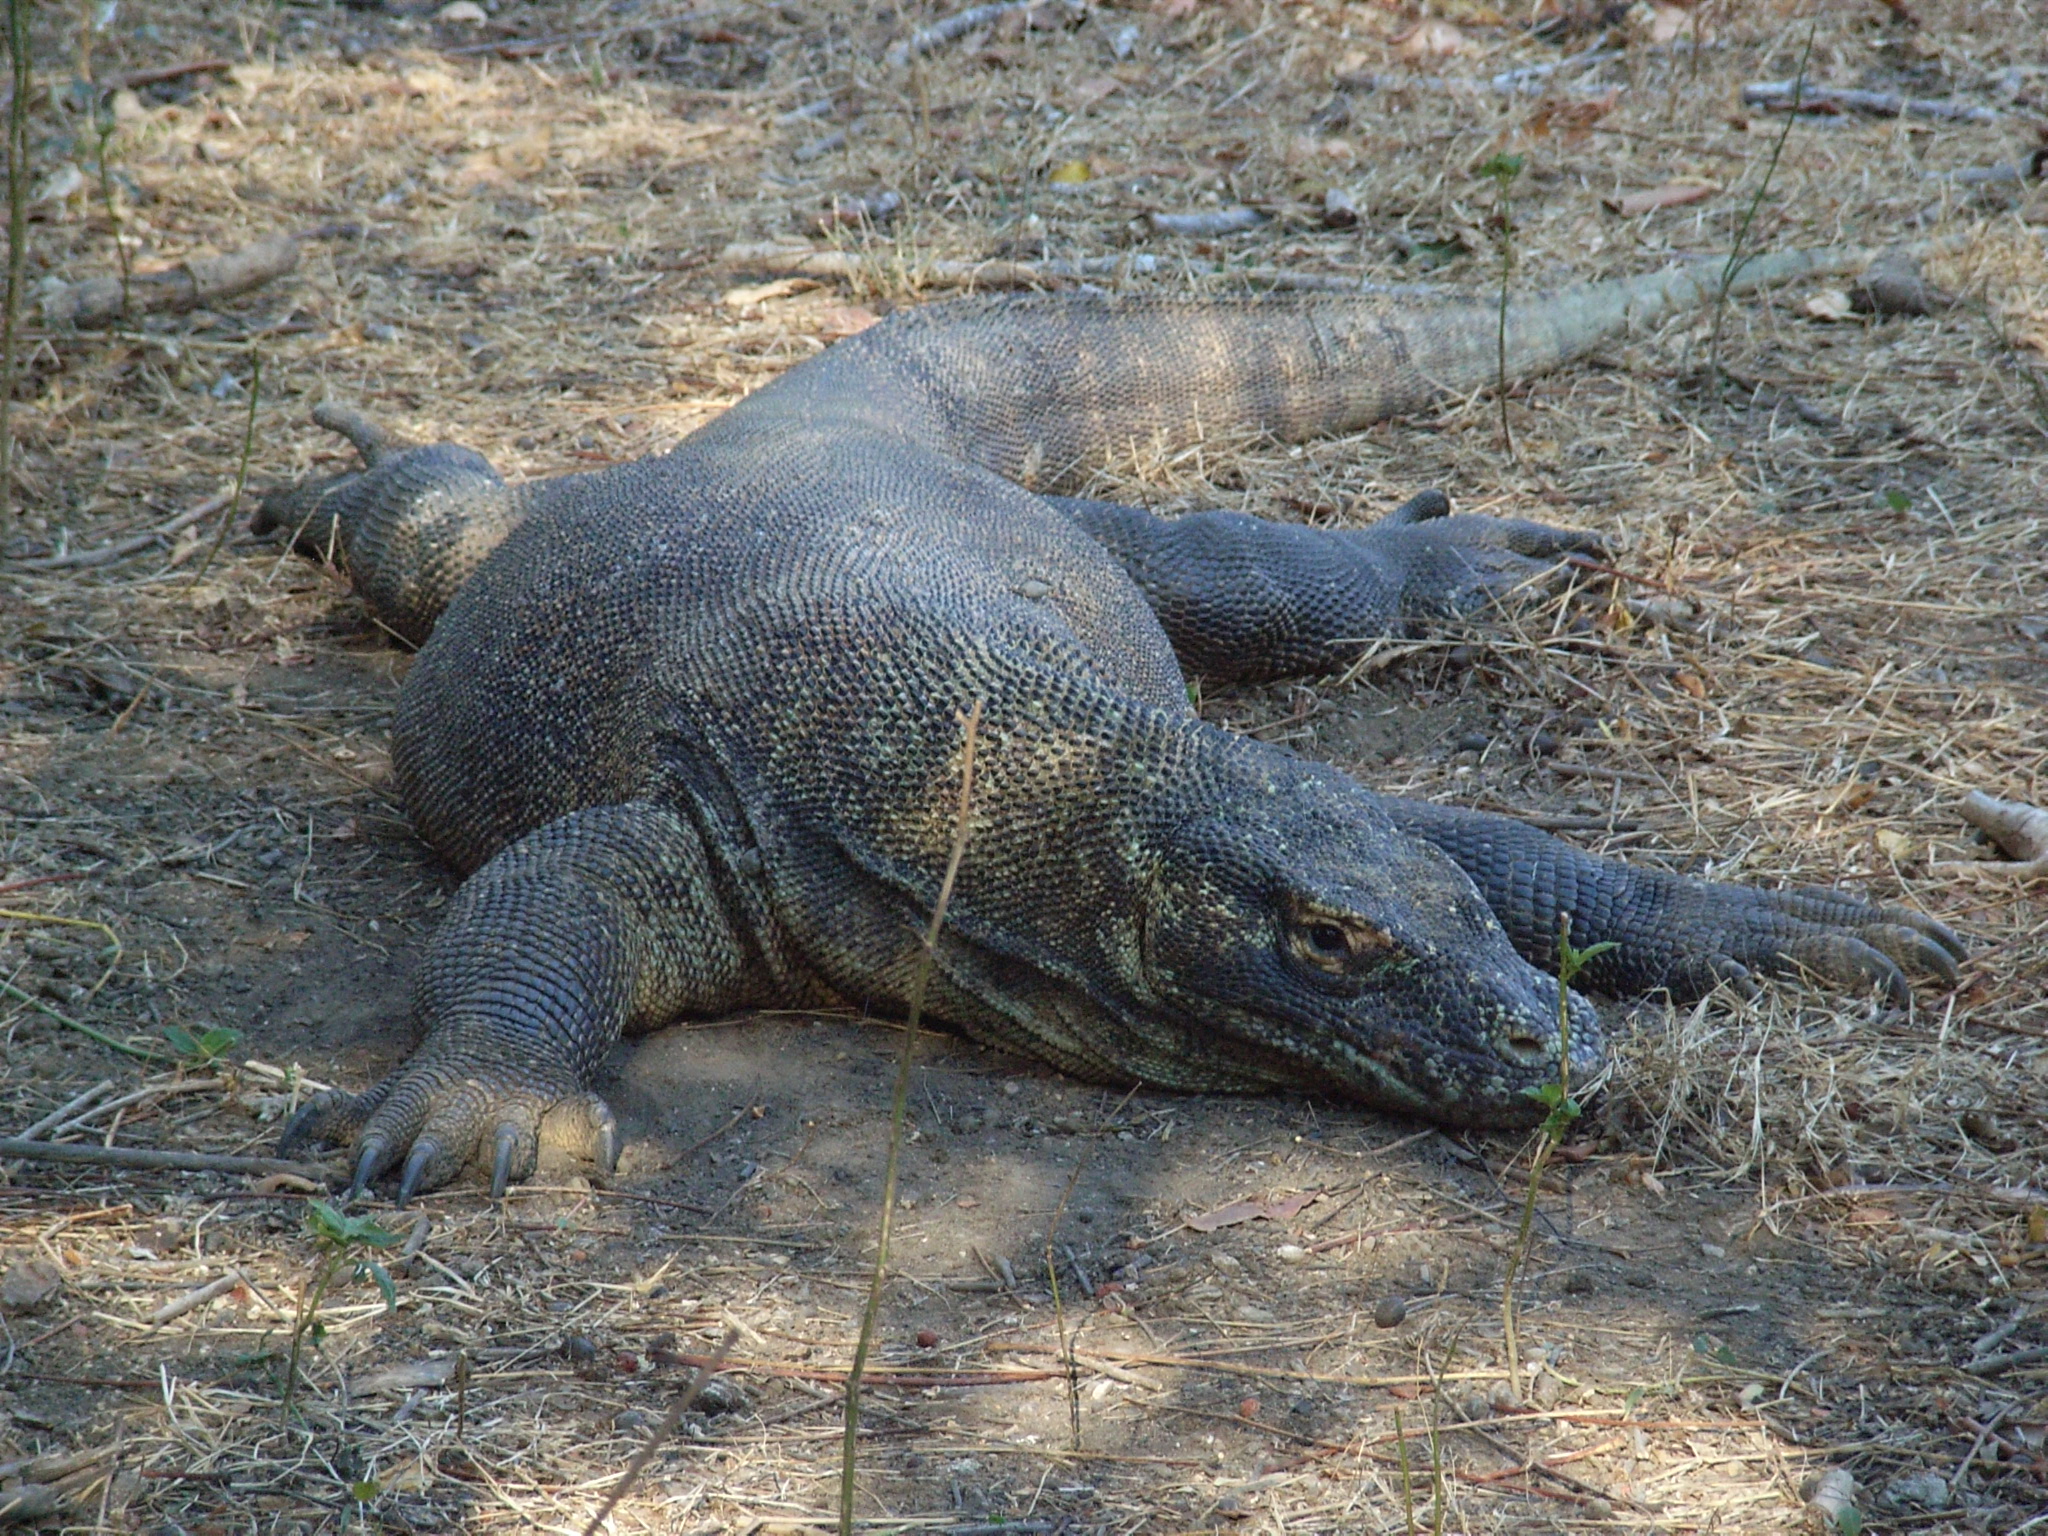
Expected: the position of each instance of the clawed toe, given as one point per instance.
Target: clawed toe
(436, 1118)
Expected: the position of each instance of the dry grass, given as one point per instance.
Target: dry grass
(1795, 1222)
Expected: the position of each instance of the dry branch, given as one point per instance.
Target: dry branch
(1777, 95)
(2020, 831)
(142, 1157)
(107, 554)
(195, 281)
(960, 23)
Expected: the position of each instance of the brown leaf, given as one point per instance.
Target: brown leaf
(837, 320)
(1252, 1210)
(1431, 40)
(28, 1284)
(1570, 120)
(1097, 88)
(1673, 194)
(1691, 682)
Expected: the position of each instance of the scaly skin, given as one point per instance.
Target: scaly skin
(691, 728)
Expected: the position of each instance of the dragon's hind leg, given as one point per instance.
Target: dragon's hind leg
(409, 527)
(1245, 599)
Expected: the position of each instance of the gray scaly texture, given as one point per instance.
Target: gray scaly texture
(692, 729)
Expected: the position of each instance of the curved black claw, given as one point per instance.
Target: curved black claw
(501, 1160)
(373, 1159)
(440, 1114)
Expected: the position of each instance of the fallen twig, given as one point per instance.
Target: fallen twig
(195, 281)
(2020, 831)
(136, 79)
(949, 28)
(141, 1157)
(1214, 221)
(1798, 96)
(107, 554)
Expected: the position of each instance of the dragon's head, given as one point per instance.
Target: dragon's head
(1315, 943)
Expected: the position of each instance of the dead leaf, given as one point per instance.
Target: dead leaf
(1090, 91)
(1174, 10)
(1431, 40)
(838, 320)
(279, 1183)
(1570, 120)
(761, 293)
(1071, 174)
(503, 164)
(1673, 194)
(1659, 24)
(406, 1377)
(28, 1284)
(1830, 304)
(1896, 845)
(1252, 1210)
(1691, 682)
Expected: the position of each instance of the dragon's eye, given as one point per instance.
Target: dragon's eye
(1326, 939)
(1336, 946)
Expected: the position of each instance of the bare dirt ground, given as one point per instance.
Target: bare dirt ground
(1793, 1234)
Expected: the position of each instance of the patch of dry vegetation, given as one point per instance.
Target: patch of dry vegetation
(1798, 1232)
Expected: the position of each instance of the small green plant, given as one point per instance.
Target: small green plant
(1407, 1481)
(201, 1049)
(17, 235)
(104, 126)
(1736, 259)
(1560, 1110)
(227, 520)
(341, 1242)
(1502, 171)
(899, 1109)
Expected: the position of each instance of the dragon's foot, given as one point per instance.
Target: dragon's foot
(1735, 933)
(1464, 564)
(440, 1115)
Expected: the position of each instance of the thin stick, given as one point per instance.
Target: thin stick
(1735, 257)
(662, 1431)
(898, 1110)
(1059, 1311)
(57, 1117)
(17, 236)
(107, 554)
(241, 471)
(140, 1157)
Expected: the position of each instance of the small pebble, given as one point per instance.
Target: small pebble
(578, 1348)
(1291, 1253)
(1248, 1409)
(633, 1422)
(927, 1339)
(1392, 1312)
(1472, 741)
(721, 1394)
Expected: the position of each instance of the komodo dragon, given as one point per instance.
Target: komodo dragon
(692, 728)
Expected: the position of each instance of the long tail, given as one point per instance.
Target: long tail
(1044, 388)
